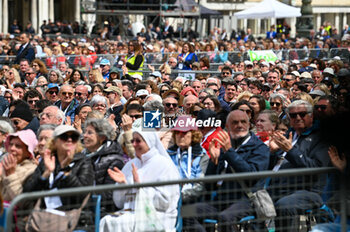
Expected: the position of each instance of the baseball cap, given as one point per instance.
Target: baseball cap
(114, 89)
(305, 75)
(317, 92)
(247, 62)
(137, 76)
(91, 48)
(156, 74)
(52, 85)
(105, 62)
(141, 92)
(265, 64)
(329, 71)
(61, 129)
(184, 123)
(296, 73)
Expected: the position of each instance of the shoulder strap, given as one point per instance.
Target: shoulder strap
(245, 188)
(86, 199)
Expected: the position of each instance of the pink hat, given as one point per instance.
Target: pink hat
(185, 123)
(27, 137)
(187, 89)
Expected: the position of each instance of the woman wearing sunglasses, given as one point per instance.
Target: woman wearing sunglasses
(151, 164)
(18, 164)
(62, 167)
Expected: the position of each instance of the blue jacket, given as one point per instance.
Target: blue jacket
(189, 59)
(199, 163)
(252, 156)
(71, 108)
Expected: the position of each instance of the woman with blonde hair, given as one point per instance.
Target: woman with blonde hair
(12, 77)
(56, 58)
(95, 76)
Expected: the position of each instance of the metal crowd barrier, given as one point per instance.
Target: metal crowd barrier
(157, 59)
(333, 206)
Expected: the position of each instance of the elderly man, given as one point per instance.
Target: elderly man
(30, 77)
(241, 151)
(188, 102)
(171, 106)
(302, 148)
(81, 94)
(317, 76)
(52, 115)
(67, 102)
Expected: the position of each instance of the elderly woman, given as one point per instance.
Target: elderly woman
(62, 167)
(19, 164)
(189, 156)
(44, 134)
(5, 130)
(151, 164)
(55, 76)
(278, 103)
(103, 151)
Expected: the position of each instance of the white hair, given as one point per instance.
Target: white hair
(155, 97)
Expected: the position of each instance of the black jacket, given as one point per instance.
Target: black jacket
(108, 157)
(27, 53)
(81, 174)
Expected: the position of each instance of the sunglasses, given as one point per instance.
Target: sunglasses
(65, 137)
(15, 122)
(226, 73)
(301, 114)
(32, 101)
(195, 113)
(275, 104)
(102, 66)
(67, 93)
(320, 107)
(28, 73)
(53, 92)
(135, 141)
(285, 79)
(79, 94)
(171, 104)
(136, 116)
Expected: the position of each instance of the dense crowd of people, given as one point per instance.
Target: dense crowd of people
(73, 110)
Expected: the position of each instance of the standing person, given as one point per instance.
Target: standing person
(187, 57)
(134, 60)
(26, 50)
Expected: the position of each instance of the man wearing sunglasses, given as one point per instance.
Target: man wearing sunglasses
(81, 94)
(67, 103)
(22, 117)
(303, 147)
(32, 97)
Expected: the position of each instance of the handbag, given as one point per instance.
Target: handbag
(47, 221)
(261, 201)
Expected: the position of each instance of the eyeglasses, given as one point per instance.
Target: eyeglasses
(301, 114)
(32, 101)
(171, 105)
(65, 137)
(320, 107)
(67, 93)
(143, 96)
(10, 73)
(53, 92)
(285, 79)
(77, 93)
(136, 116)
(226, 73)
(135, 141)
(275, 104)
(28, 73)
(102, 66)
